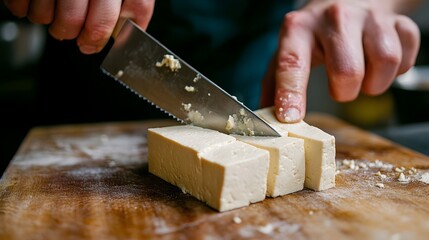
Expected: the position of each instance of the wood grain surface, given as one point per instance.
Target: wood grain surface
(91, 182)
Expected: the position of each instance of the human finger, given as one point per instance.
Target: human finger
(18, 8)
(383, 55)
(293, 67)
(409, 36)
(100, 22)
(69, 19)
(344, 59)
(140, 11)
(41, 11)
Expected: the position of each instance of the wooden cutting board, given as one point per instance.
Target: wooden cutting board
(92, 182)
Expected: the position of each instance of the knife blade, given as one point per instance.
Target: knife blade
(146, 67)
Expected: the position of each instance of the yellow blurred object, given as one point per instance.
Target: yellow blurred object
(369, 111)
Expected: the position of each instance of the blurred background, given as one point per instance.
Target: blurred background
(32, 91)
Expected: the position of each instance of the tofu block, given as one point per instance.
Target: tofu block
(234, 175)
(211, 166)
(174, 154)
(286, 172)
(319, 150)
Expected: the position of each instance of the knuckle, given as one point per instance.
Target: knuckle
(146, 5)
(348, 75)
(337, 14)
(290, 61)
(141, 13)
(72, 21)
(389, 57)
(98, 32)
(337, 9)
(294, 19)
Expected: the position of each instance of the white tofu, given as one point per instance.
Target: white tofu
(211, 166)
(286, 172)
(234, 175)
(319, 150)
(174, 154)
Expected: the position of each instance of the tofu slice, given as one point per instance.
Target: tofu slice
(211, 166)
(319, 150)
(286, 172)
(173, 154)
(234, 175)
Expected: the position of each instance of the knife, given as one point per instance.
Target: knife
(149, 69)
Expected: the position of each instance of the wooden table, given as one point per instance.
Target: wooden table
(91, 182)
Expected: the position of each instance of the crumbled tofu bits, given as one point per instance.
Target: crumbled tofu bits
(385, 171)
(170, 62)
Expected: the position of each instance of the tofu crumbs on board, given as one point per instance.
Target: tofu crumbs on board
(190, 88)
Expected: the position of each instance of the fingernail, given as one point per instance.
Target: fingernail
(291, 115)
(88, 49)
